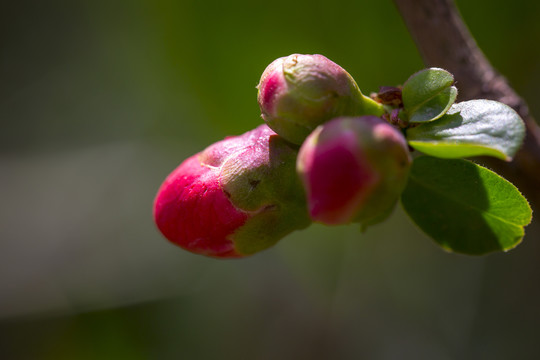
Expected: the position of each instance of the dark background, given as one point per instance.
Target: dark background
(100, 100)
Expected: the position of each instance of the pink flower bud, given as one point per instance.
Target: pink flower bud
(299, 92)
(353, 169)
(237, 197)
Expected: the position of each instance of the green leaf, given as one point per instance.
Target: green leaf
(428, 94)
(464, 207)
(471, 128)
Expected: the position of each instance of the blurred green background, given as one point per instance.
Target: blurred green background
(100, 100)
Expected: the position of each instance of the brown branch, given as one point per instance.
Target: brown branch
(444, 41)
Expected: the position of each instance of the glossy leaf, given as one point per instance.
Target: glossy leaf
(464, 207)
(428, 94)
(471, 128)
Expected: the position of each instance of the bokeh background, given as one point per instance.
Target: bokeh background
(100, 100)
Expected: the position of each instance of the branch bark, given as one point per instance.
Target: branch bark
(443, 40)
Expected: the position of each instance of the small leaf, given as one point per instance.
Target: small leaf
(471, 128)
(435, 107)
(428, 94)
(464, 207)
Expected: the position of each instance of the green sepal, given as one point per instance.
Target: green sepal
(262, 181)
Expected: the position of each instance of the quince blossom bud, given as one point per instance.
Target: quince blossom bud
(237, 197)
(299, 92)
(353, 169)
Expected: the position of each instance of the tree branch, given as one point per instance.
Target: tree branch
(444, 41)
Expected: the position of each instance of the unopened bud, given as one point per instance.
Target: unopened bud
(353, 169)
(299, 92)
(239, 196)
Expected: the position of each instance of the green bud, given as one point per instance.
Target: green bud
(299, 92)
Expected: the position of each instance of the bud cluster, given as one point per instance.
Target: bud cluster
(324, 155)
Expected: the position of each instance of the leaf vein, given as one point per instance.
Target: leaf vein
(467, 205)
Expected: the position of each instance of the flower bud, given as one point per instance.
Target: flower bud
(237, 197)
(353, 169)
(299, 92)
